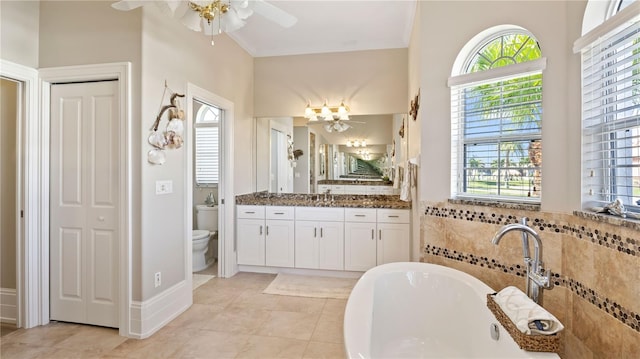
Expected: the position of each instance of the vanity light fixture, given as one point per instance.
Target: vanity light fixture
(356, 143)
(327, 112)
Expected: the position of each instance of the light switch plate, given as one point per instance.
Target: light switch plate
(164, 187)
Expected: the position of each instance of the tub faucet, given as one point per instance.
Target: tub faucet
(536, 278)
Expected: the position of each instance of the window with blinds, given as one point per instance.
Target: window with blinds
(611, 111)
(207, 146)
(496, 122)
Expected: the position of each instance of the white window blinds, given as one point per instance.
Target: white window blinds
(611, 113)
(496, 128)
(207, 146)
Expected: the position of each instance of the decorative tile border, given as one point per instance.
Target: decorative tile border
(626, 245)
(619, 312)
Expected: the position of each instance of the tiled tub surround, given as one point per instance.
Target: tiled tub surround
(595, 263)
(318, 200)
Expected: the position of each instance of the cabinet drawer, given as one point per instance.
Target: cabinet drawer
(360, 215)
(393, 216)
(319, 214)
(250, 212)
(279, 212)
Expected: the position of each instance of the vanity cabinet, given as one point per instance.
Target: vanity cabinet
(374, 237)
(319, 238)
(354, 239)
(265, 236)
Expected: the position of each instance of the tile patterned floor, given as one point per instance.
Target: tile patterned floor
(230, 318)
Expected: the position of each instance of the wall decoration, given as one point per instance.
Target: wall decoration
(415, 105)
(172, 136)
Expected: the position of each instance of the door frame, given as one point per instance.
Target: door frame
(28, 228)
(227, 246)
(120, 71)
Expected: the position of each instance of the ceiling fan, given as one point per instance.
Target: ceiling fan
(336, 125)
(214, 16)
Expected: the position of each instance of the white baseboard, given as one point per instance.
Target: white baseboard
(8, 305)
(151, 315)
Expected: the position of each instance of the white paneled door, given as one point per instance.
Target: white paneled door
(84, 190)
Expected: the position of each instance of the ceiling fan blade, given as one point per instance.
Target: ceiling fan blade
(126, 5)
(274, 13)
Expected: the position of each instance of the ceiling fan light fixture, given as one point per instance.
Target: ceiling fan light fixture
(192, 20)
(232, 22)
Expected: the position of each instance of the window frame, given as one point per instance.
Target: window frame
(468, 80)
(200, 123)
(608, 176)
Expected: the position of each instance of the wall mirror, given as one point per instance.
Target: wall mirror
(370, 149)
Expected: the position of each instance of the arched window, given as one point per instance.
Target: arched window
(497, 117)
(611, 105)
(207, 145)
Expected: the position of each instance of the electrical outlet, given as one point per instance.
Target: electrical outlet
(158, 279)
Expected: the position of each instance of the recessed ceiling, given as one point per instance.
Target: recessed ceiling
(329, 26)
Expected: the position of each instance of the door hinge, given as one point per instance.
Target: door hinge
(21, 214)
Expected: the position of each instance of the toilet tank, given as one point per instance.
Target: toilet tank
(207, 217)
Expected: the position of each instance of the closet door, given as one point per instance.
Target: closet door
(84, 190)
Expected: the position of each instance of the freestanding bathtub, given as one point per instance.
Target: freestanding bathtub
(421, 310)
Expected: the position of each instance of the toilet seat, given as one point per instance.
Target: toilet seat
(199, 234)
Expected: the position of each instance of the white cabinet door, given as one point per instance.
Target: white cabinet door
(359, 246)
(331, 245)
(279, 243)
(306, 244)
(319, 245)
(250, 235)
(393, 242)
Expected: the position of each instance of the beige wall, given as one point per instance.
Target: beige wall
(19, 29)
(370, 82)
(173, 53)
(69, 37)
(596, 263)
(561, 89)
(8, 173)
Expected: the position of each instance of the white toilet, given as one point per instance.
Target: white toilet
(206, 228)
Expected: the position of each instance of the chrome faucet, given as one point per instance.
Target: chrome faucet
(326, 193)
(537, 279)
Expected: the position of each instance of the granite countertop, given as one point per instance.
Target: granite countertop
(317, 200)
(353, 182)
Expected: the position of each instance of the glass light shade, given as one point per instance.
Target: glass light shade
(313, 118)
(192, 20)
(325, 110)
(342, 110)
(349, 143)
(231, 21)
(309, 112)
(356, 143)
(328, 117)
(344, 117)
(363, 143)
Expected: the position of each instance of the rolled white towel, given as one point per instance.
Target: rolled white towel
(527, 315)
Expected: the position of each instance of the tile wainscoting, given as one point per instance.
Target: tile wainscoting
(595, 263)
